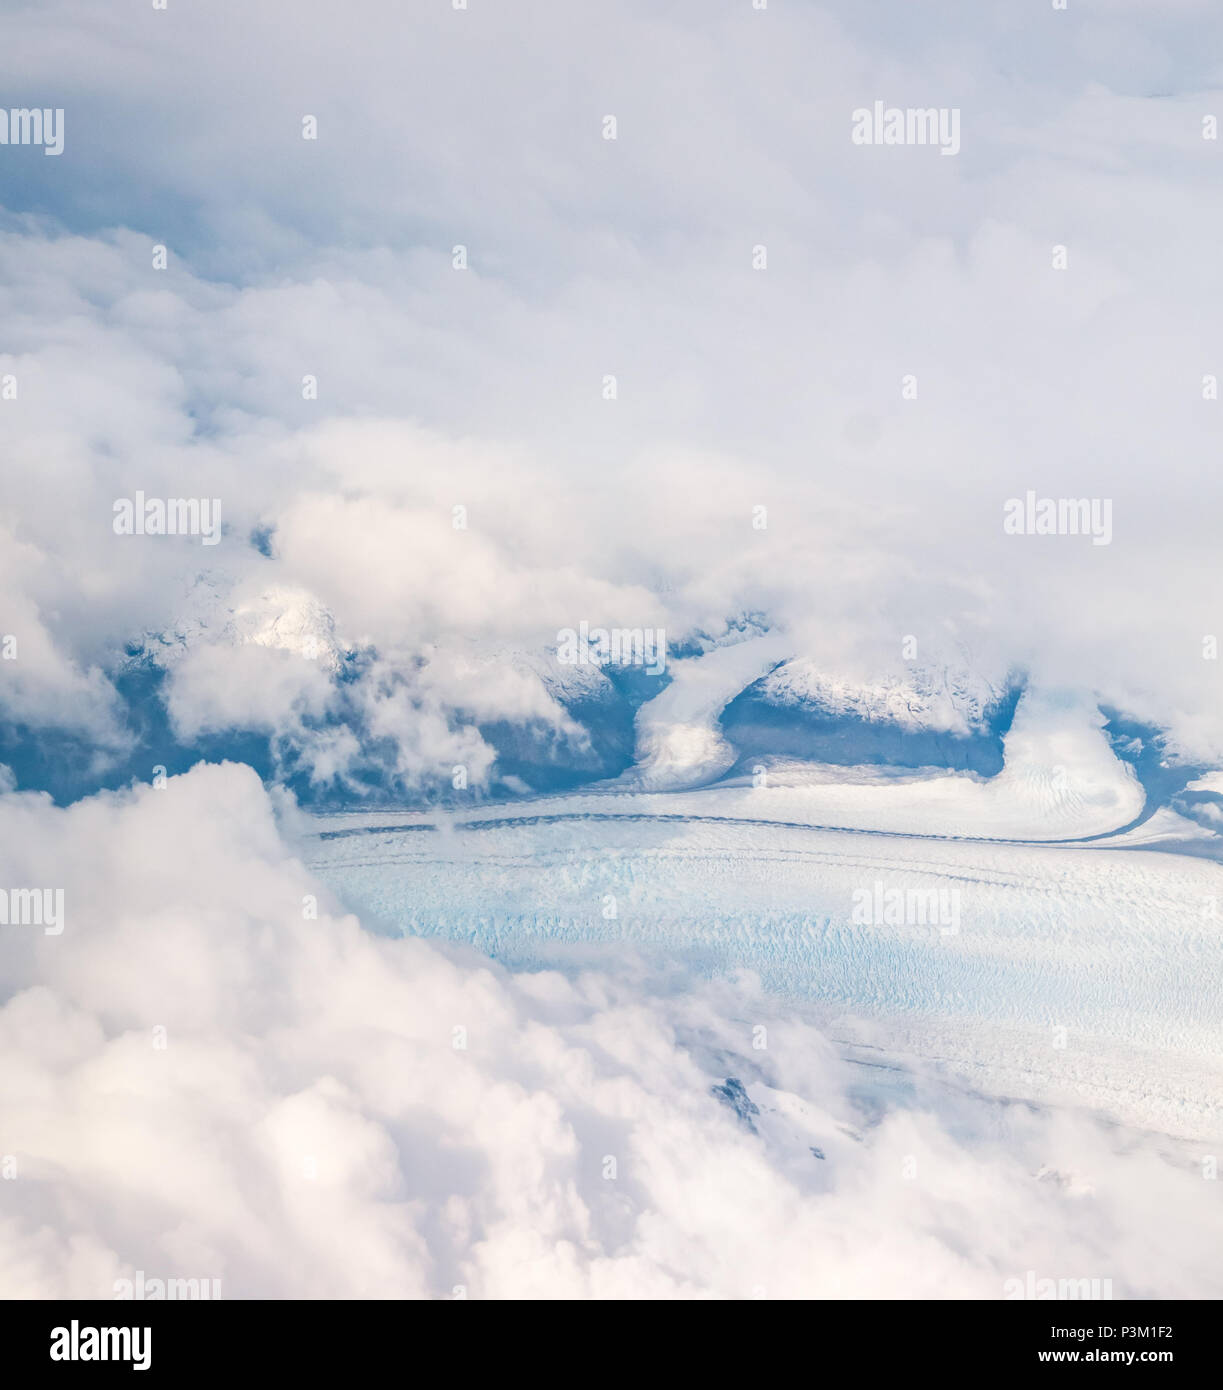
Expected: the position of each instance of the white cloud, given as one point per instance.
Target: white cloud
(633, 257)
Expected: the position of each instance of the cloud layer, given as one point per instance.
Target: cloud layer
(484, 389)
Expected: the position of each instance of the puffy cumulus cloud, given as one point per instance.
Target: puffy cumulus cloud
(218, 687)
(199, 1078)
(588, 258)
(419, 573)
(409, 715)
(43, 682)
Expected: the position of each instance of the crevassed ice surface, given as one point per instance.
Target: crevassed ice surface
(1072, 955)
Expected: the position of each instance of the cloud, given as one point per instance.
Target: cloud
(736, 389)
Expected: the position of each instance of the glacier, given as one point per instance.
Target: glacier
(1086, 967)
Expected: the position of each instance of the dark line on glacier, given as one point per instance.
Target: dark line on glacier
(556, 818)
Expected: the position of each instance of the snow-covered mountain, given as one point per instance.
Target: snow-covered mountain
(942, 699)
